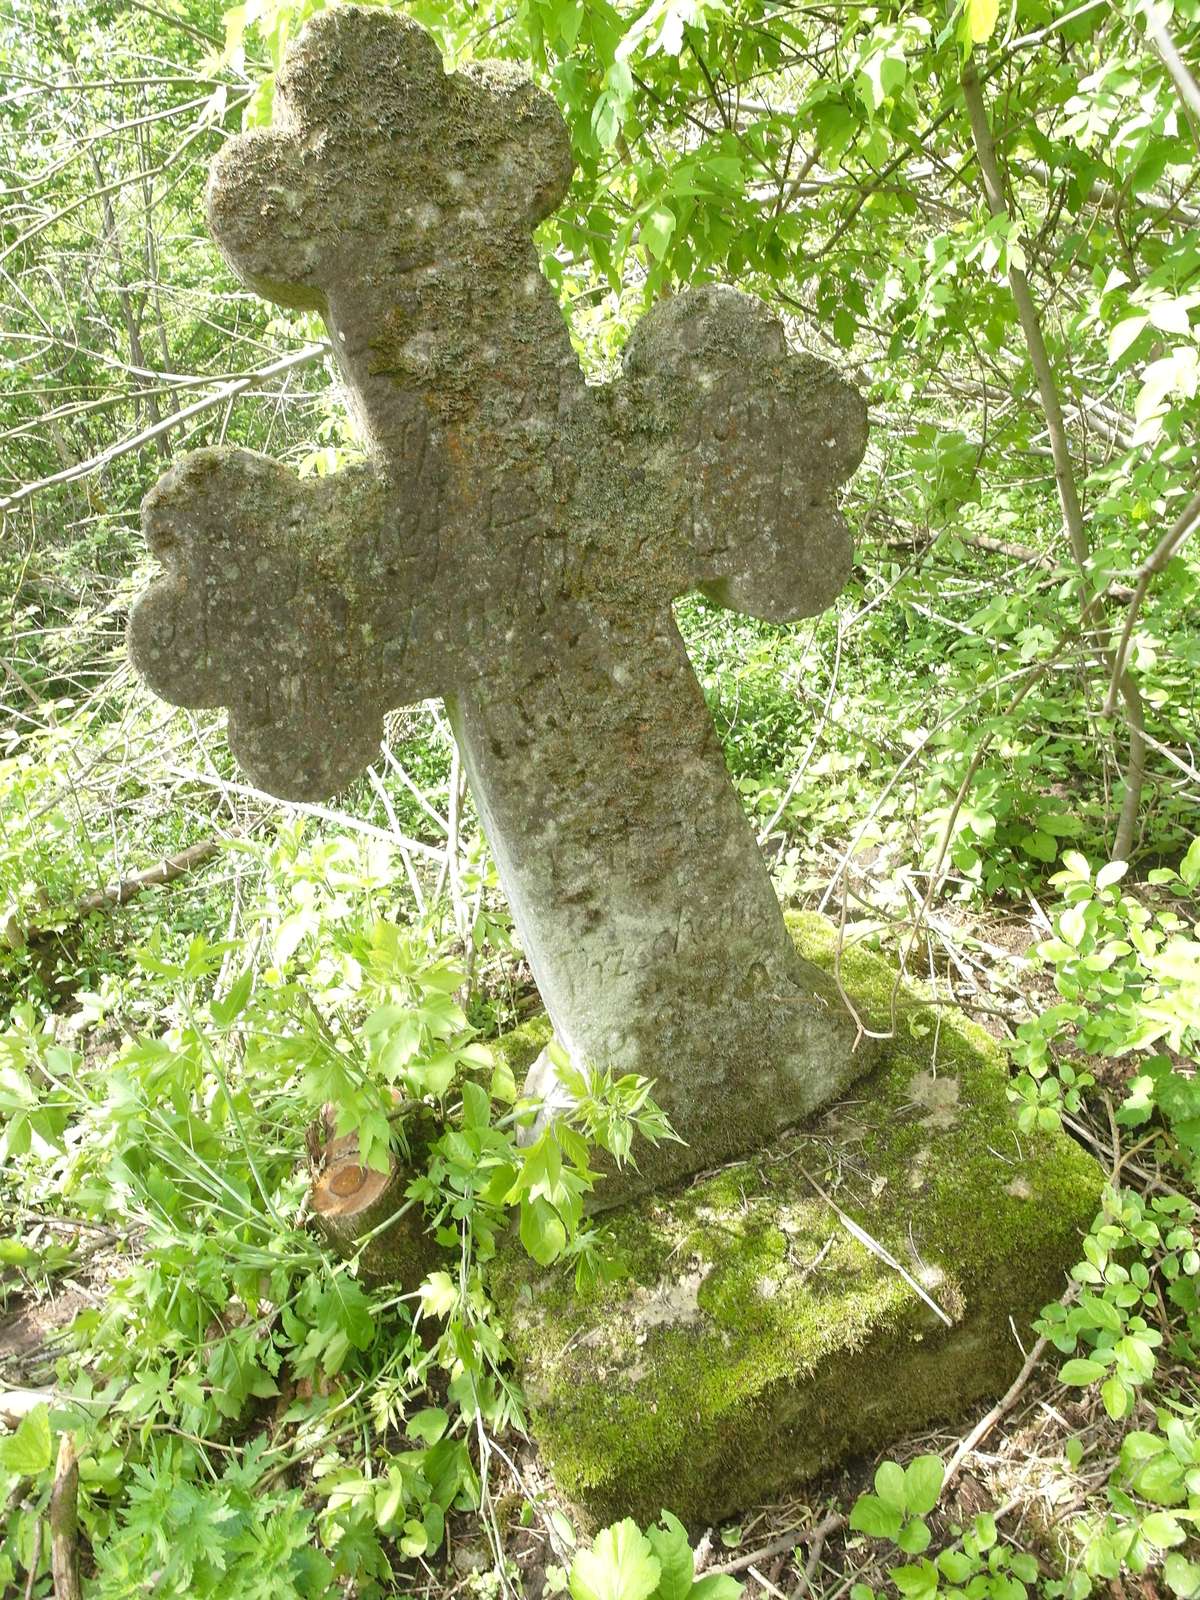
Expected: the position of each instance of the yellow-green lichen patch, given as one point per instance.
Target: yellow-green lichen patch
(754, 1339)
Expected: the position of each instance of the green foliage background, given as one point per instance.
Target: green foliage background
(939, 761)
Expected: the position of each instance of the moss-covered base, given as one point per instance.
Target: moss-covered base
(754, 1339)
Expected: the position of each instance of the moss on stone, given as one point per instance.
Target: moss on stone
(520, 1048)
(753, 1340)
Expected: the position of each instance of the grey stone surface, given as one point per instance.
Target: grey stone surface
(514, 544)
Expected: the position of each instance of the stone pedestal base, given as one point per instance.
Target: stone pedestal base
(755, 1339)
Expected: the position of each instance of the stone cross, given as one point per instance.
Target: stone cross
(514, 543)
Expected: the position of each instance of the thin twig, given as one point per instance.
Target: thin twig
(81, 469)
(1171, 542)
(1007, 1401)
(873, 1245)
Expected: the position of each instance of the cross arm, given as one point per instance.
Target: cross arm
(287, 600)
(740, 446)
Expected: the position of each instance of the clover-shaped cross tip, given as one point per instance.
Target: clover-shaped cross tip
(379, 162)
(746, 445)
(271, 606)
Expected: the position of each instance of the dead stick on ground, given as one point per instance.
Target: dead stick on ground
(813, 1537)
(1007, 1401)
(64, 1522)
(816, 1545)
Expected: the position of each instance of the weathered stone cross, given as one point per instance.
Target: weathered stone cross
(514, 544)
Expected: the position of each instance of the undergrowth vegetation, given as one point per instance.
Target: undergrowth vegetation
(982, 761)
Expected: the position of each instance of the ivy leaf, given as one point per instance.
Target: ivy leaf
(621, 1565)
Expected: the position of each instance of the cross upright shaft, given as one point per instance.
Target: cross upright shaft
(514, 543)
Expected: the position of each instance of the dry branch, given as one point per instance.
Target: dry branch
(1169, 545)
(64, 1522)
(226, 392)
(116, 894)
(1064, 468)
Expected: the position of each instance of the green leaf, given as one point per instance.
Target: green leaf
(542, 1231)
(955, 1565)
(918, 1583)
(428, 1425)
(1161, 1479)
(923, 1480)
(889, 1485)
(225, 1011)
(981, 18)
(28, 1450)
(1112, 873)
(439, 1294)
(1101, 1314)
(1082, 1371)
(984, 1530)
(656, 230)
(1189, 867)
(1170, 316)
(476, 1106)
(1123, 335)
(716, 1586)
(1117, 1397)
(621, 1565)
(870, 1515)
(415, 1541)
(1039, 845)
(674, 1552)
(914, 1537)
(1161, 1529)
(1182, 1576)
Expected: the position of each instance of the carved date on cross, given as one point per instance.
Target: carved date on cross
(514, 544)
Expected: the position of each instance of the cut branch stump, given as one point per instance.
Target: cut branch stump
(362, 1211)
